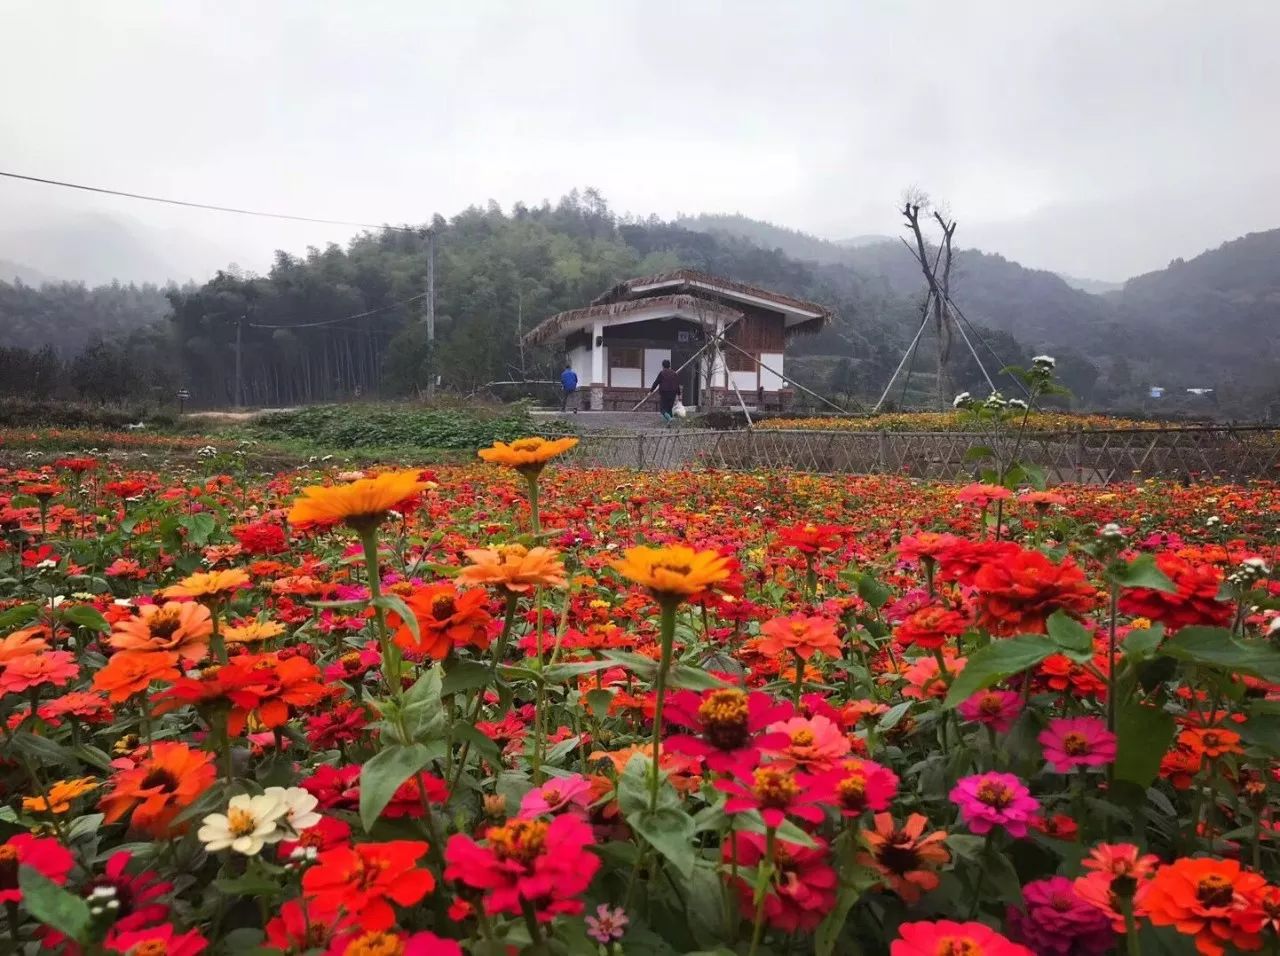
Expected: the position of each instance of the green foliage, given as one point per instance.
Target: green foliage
(387, 426)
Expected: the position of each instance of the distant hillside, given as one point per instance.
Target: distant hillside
(11, 271)
(1213, 320)
(1092, 286)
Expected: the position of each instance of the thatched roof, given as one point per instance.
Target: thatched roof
(689, 306)
(690, 280)
(686, 290)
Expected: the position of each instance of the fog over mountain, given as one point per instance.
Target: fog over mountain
(1095, 139)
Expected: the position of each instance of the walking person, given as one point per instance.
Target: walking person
(668, 386)
(568, 386)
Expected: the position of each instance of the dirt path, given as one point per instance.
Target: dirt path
(247, 415)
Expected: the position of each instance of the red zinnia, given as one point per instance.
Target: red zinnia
(366, 878)
(45, 855)
(1016, 594)
(803, 887)
(1196, 601)
(730, 725)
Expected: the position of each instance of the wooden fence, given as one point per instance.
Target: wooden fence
(1088, 456)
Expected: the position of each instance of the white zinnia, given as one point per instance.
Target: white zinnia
(248, 825)
(1046, 360)
(299, 804)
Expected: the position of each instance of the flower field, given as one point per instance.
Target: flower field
(512, 708)
(953, 421)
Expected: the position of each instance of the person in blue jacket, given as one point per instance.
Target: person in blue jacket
(569, 385)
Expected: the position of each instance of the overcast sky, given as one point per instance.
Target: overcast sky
(1095, 138)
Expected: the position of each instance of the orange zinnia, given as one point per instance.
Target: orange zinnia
(180, 626)
(252, 632)
(446, 618)
(802, 634)
(159, 787)
(21, 643)
(60, 796)
(1215, 901)
(526, 455)
(362, 504)
(132, 672)
(514, 568)
(905, 859)
(208, 585)
(673, 573)
(1210, 742)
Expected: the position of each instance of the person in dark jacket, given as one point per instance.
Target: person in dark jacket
(668, 387)
(569, 387)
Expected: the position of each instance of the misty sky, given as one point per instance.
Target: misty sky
(1099, 139)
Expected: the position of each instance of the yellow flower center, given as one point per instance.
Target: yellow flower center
(1214, 890)
(150, 947)
(375, 944)
(1075, 744)
(957, 946)
(995, 795)
(724, 716)
(774, 788)
(521, 840)
(802, 738)
(241, 822)
(852, 791)
(164, 622)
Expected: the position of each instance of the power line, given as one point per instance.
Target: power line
(201, 205)
(345, 318)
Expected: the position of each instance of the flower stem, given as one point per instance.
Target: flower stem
(535, 518)
(798, 689)
(667, 637)
(762, 889)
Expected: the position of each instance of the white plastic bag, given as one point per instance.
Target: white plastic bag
(678, 409)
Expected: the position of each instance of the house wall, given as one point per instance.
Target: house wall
(653, 359)
(579, 358)
(768, 380)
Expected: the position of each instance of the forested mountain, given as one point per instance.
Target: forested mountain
(338, 322)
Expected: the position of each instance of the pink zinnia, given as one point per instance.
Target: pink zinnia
(864, 785)
(730, 724)
(813, 744)
(1071, 742)
(997, 709)
(571, 793)
(1057, 921)
(989, 800)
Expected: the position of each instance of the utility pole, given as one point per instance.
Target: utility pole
(239, 340)
(431, 314)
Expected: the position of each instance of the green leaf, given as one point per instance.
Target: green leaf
(395, 605)
(852, 886)
(562, 749)
(670, 831)
(85, 616)
(893, 716)
(1142, 572)
(1000, 659)
(41, 748)
(52, 905)
(684, 677)
(1144, 734)
(787, 831)
(1140, 645)
(480, 743)
(562, 673)
(254, 883)
(199, 527)
(978, 453)
(1216, 647)
(464, 675)
(872, 591)
(598, 701)
(382, 775)
(17, 616)
(643, 667)
(1073, 638)
(1262, 730)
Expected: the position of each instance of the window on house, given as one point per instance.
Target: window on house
(735, 361)
(626, 358)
